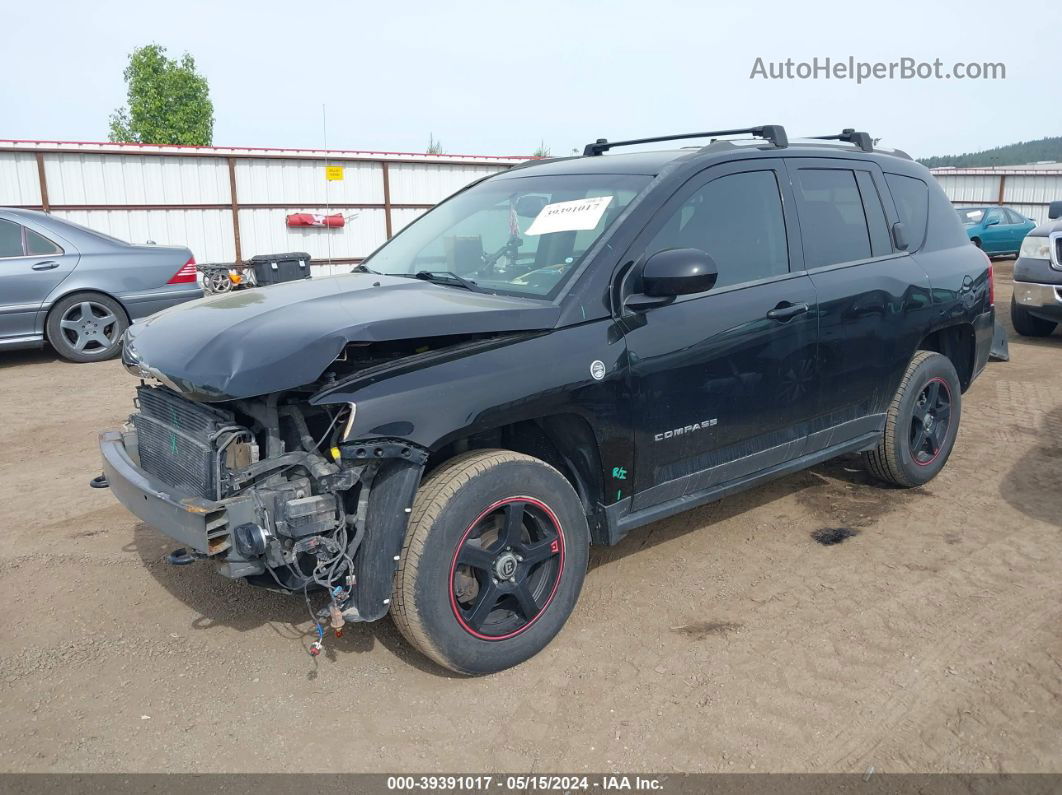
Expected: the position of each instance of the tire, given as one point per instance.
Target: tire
(445, 572)
(1029, 325)
(904, 457)
(91, 337)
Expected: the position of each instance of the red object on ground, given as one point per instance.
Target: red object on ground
(316, 219)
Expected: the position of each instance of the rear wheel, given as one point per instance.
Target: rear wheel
(494, 559)
(87, 327)
(921, 423)
(1029, 325)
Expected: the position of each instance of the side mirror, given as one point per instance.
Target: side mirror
(1054, 210)
(992, 222)
(674, 272)
(899, 236)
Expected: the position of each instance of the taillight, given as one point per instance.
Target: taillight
(186, 273)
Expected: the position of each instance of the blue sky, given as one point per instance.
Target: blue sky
(499, 77)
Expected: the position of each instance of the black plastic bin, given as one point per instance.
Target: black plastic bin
(277, 268)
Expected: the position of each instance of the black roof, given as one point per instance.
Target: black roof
(652, 163)
(768, 137)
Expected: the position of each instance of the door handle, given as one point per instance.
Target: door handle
(46, 266)
(786, 310)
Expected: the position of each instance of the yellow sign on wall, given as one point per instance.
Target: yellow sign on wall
(334, 173)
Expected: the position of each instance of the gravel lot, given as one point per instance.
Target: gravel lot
(724, 639)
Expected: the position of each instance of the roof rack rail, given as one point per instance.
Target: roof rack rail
(775, 133)
(849, 135)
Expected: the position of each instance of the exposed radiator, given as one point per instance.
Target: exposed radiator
(177, 440)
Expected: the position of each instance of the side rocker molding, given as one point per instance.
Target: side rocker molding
(621, 520)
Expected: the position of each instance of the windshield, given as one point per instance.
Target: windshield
(971, 216)
(523, 236)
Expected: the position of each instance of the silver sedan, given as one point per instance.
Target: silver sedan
(80, 289)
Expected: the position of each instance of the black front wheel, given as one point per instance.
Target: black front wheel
(1029, 325)
(920, 425)
(495, 556)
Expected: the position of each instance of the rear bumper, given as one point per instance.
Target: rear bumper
(201, 525)
(1041, 300)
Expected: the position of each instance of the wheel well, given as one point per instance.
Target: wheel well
(55, 303)
(959, 344)
(976, 241)
(564, 441)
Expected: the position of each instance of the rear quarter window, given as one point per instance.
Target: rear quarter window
(912, 204)
(39, 245)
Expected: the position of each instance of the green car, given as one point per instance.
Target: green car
(995, 230)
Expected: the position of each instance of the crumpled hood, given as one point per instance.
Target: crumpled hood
(268, 339)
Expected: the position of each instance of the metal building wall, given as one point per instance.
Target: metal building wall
(231, 203)
(1028, 190)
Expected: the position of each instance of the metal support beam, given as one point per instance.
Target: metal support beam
(235, 208)
(45, 204)
(1002, 187)
(387, 198)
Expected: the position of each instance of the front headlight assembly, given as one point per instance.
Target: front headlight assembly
(1036, 248)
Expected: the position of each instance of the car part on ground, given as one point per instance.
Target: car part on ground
(554, 356)
(45, 260)
(1000, 350)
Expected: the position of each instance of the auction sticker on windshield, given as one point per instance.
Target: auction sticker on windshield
(569, 216)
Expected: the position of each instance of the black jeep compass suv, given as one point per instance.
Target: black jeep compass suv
(550, 358)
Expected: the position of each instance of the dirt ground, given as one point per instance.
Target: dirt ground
(724, 639)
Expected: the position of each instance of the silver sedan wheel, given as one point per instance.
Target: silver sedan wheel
(90, 327)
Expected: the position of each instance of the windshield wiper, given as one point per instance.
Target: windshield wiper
(449, 278)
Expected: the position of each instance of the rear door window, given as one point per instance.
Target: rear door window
(10, 239)
(912, 205)
(832, 219)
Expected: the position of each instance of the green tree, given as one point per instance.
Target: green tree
(542, 151)
(1021, 153)
(168, 101)
(434, 147)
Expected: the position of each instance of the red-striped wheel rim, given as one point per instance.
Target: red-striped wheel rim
(547, 551)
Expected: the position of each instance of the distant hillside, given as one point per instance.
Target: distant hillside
(1017, 154)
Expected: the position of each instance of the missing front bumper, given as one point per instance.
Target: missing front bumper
(202, 525)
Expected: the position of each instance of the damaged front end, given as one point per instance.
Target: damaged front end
(262, 487)
(242, 446)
